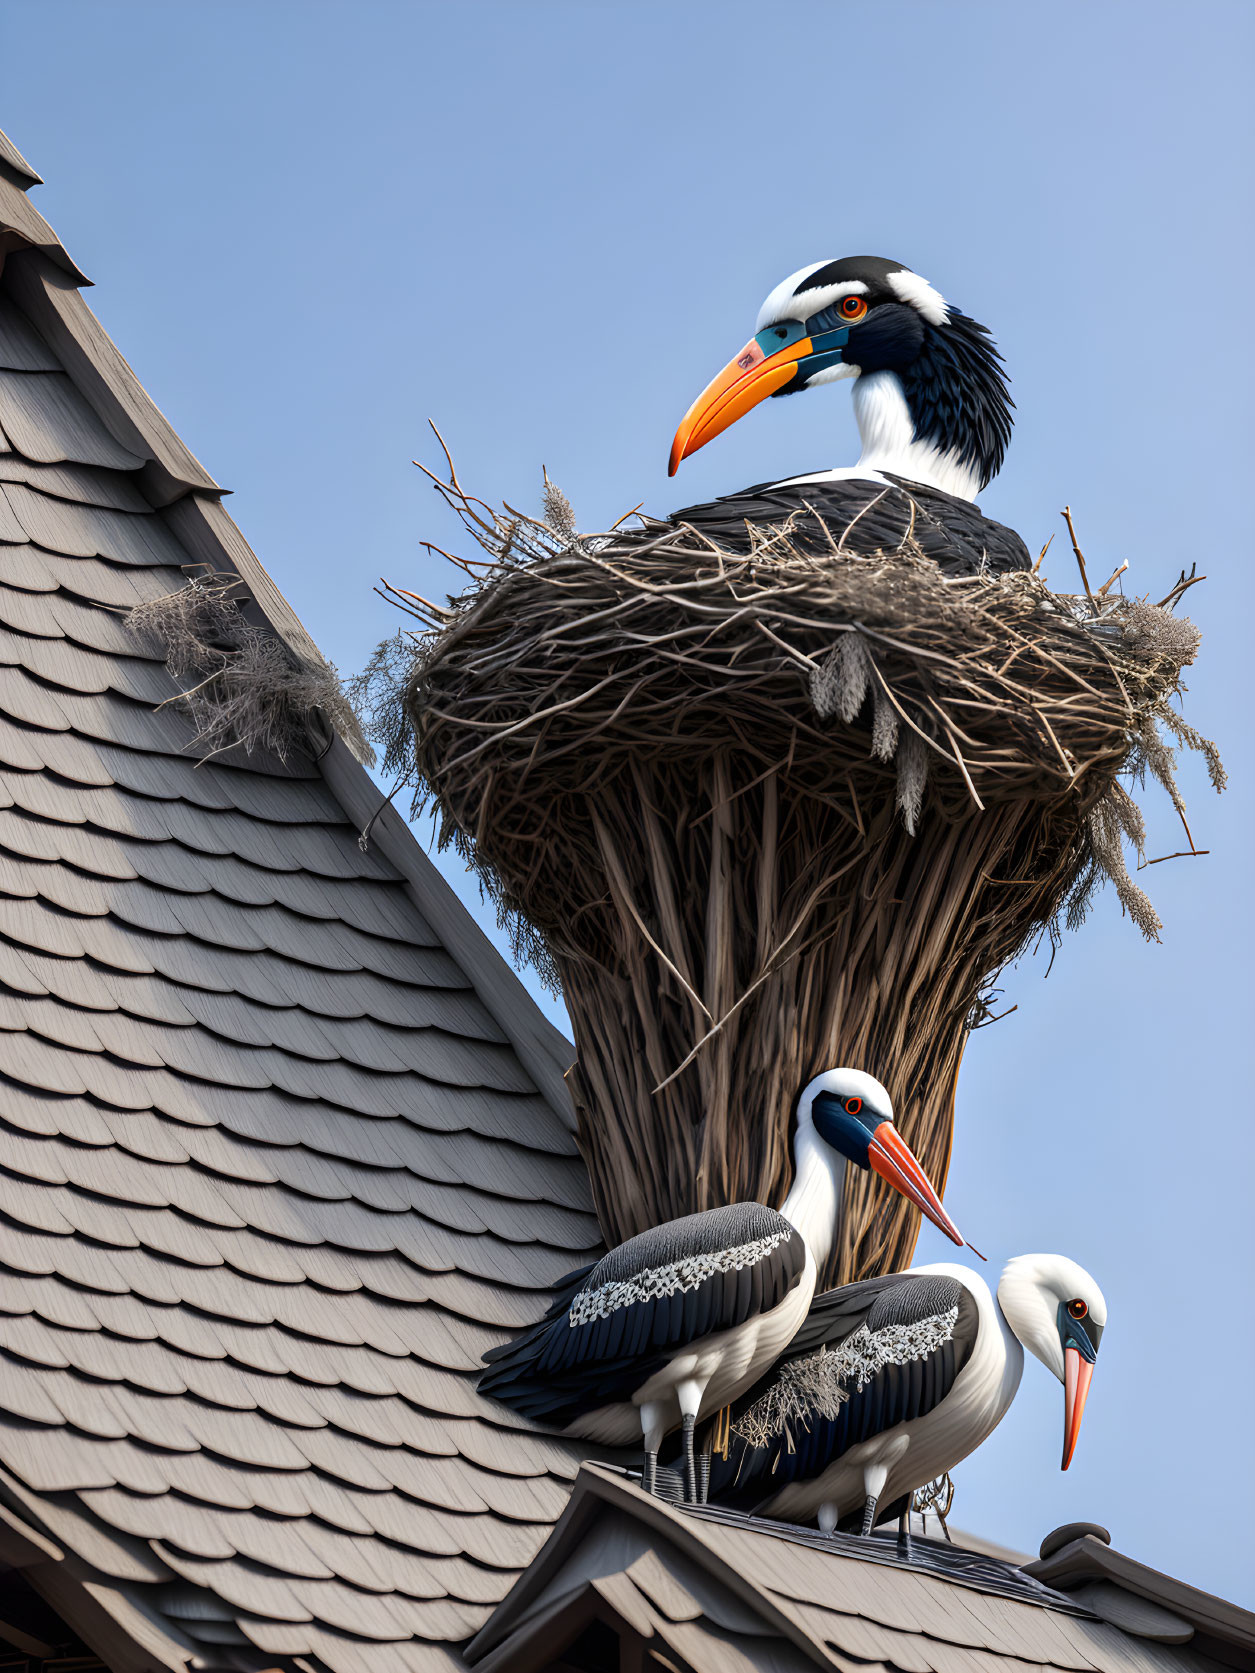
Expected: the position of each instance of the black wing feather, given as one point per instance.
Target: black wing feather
(865, 517)
(564, 1292)
(896, 1393)
(559, 1369)
(835, 1313)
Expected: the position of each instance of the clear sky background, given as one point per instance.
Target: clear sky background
(547, 225)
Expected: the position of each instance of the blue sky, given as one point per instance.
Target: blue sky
(314, 225)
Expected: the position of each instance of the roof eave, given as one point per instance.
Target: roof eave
(23, 223)
(13, 164)
(49, 296)
(1089, 1559)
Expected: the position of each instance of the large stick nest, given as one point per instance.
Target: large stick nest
(763, 813)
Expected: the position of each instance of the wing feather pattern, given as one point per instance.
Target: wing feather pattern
(870, 1356)
(660, 1291)
(865, 517)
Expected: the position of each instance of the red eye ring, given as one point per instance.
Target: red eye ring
(1078, 1308)
(853, 1105)
(853, 307)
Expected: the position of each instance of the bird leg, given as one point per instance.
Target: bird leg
(690, 1467)
(649, 1476)
(653, 1428)
(703, 1477)
(874, 1478)
(904, 1532)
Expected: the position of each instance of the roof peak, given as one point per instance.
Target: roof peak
(21, 224)
(13, 159)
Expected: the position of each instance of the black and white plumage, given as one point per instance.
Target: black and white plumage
(868, 514)
(891, 1382)
(675, 1323)
(933, 411)
(653, 1316)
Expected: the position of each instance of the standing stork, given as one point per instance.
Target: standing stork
(892, 1381)
(933, 412)
(678, 1321)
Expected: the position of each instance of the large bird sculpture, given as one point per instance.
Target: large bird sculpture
(678, 1321)
(933, 412)
(892, 1381)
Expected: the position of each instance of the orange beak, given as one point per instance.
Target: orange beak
(890, 1156)
(742, 384)
(1077, 1372)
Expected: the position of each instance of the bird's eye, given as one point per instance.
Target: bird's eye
(1077, 1308)
(853, 1105)
(781, 332)
(853, 307)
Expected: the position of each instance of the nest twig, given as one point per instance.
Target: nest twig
(764, 813)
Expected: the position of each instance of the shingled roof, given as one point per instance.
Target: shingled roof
(284, 1145)
(283, 1142)
(711, 1591)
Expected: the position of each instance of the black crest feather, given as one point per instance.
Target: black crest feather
(957, 392)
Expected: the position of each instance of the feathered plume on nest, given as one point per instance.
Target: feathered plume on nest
(251, 690)
(763, 814)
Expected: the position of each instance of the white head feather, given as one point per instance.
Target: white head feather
(782, 304)
(1029, 1293)
(908, 287)
(846, 1083)
(911, 288)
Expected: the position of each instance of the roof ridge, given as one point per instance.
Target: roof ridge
(601, 1484)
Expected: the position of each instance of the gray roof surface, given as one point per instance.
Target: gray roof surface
(729, 1595)
(282, 1142)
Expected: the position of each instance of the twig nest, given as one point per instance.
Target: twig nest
(760, 814)
(870, 681)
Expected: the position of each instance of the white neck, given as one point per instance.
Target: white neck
(983, 1389)
(813, 1204)
(1013, 1364)
(887, 431)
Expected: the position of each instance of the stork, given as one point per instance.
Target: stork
(678, 1321)
(933, 412)
(892, 1381)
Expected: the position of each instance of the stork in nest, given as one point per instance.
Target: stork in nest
(933, 411)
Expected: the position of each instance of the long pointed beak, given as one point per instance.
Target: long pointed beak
(742, 384)
(890, 1155)
(1077, 1373)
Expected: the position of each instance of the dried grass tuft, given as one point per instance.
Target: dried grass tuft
(1114, 817)
(252, 692)
(840, 685)
(764, 813)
